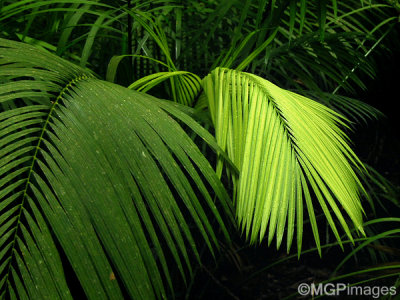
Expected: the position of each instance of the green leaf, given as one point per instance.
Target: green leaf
(107, 174)
(283, 144)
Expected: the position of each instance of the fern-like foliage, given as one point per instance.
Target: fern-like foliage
(287, 148)
(100, 173)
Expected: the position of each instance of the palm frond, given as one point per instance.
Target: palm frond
(283, 144)
(103, 171)
(380, 190)
(354, 110)
(184, 86)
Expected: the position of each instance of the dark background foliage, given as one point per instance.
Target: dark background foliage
(310, 54)
(249, 273)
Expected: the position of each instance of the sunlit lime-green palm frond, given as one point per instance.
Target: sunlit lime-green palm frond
(287, 148)
(102, 174)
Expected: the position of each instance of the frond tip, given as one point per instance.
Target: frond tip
(105, 175)
(288, 149)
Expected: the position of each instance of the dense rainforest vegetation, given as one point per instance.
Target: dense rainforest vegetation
(210, 149)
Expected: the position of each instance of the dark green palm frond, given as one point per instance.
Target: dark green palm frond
(379, 189)
(43, 82)
(318, 65)
(352, 33)
(354, 110)
(93, 171)
(184, 86)
(81, 26)
(28, 252)
(287, 148)
(297, 56)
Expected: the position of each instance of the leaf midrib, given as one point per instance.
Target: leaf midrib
(30, 170)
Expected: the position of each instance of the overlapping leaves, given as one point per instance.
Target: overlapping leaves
(102, 171)
(288, 149)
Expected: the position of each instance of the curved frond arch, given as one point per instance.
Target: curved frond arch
(103, 172)
(287, 148)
